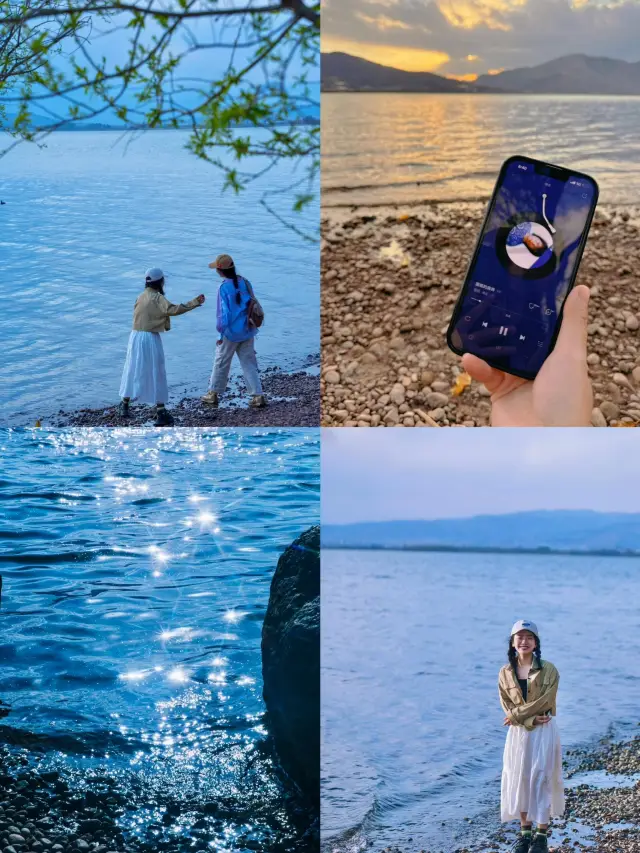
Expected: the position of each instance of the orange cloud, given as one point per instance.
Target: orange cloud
(470, 14)
(382, 22)
(463, 78)
(472, 57)
(495, 71)
(406, 59)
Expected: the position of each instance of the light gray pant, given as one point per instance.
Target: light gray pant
(246, 352)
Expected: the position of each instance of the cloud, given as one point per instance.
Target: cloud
(500, 33)
(470, 14)
(406, 58)
(382, 22)
(392, 473)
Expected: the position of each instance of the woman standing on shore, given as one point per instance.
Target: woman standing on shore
(237, 326)
(532, 786)
(144, 377)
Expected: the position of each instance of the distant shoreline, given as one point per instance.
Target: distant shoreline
(481, 549)
(491, 92)
(77, 128)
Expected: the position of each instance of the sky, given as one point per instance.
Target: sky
(466, 38)
(112, 41)
(394, 474)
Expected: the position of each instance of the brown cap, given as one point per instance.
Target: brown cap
(222, 262)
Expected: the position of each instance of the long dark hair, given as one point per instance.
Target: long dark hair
(512, 654)
(231, 273)
(156, 285)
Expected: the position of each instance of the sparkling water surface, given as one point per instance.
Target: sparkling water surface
(137, 569)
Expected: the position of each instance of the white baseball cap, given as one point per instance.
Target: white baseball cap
(154, 274)
(525, 625)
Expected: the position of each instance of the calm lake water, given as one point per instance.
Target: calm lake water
(412, 645)
(86, 216)
(398, 148)
(137, 570)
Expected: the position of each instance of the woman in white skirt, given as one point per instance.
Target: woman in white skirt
(532, 786)
(144, 377)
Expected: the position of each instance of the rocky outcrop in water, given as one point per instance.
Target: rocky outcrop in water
(291, 662)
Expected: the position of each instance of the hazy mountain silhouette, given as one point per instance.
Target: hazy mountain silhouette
(569, 75)
(340, 72)
(562, 529)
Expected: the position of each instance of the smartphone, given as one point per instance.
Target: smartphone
(525, 263)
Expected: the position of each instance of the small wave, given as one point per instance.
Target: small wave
(64, 557)
(29, 534)
(46, 496)
(90, 743)
(413, 183)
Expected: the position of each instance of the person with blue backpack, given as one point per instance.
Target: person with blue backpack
(239, 316)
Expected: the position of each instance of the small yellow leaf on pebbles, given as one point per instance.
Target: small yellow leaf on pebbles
(463, 381)
(403, 217)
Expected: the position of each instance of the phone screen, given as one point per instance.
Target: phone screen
(524, 266)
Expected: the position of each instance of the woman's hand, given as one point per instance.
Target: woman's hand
(540, 721)
(561, 394)
(507, 722)
(200, 299)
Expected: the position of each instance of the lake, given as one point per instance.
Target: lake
(137, 570)
(86, 216)
(411, 646)
(402, 148)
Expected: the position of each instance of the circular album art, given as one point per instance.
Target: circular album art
(526, 247)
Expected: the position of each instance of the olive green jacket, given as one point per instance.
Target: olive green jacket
(542, 689)
(152, 311)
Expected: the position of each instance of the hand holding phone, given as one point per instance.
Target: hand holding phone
(561, 394)
(509, 312)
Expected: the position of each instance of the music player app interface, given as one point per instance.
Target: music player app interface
(524, 268)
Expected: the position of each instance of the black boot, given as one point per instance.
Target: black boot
(163, 418)
(123, 409)
(522, 843)
(539, 843)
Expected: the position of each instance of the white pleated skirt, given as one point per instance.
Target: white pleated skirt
(532, 774)
(144, 377)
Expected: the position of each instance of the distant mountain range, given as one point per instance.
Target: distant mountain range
(569, 75)
(340, 72)
(566, 530)
(306, 115)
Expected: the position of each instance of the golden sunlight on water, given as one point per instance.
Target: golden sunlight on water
(401, 148)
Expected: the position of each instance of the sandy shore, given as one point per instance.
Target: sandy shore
(293, 401)
(390, 278)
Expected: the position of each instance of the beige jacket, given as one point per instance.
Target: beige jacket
(152, 311)
(542, 690)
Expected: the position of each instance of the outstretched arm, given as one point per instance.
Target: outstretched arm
(182, 308)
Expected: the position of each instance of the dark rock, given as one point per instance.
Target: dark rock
(291, 662)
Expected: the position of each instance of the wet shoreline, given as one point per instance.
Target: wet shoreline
(602, 813)
(390, 278)
(293, 401)
(62, 811)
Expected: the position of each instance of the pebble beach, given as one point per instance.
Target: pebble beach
(598, 818)
(390, 278)
(293, 400)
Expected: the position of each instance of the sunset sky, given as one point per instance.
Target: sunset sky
(465, 38)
